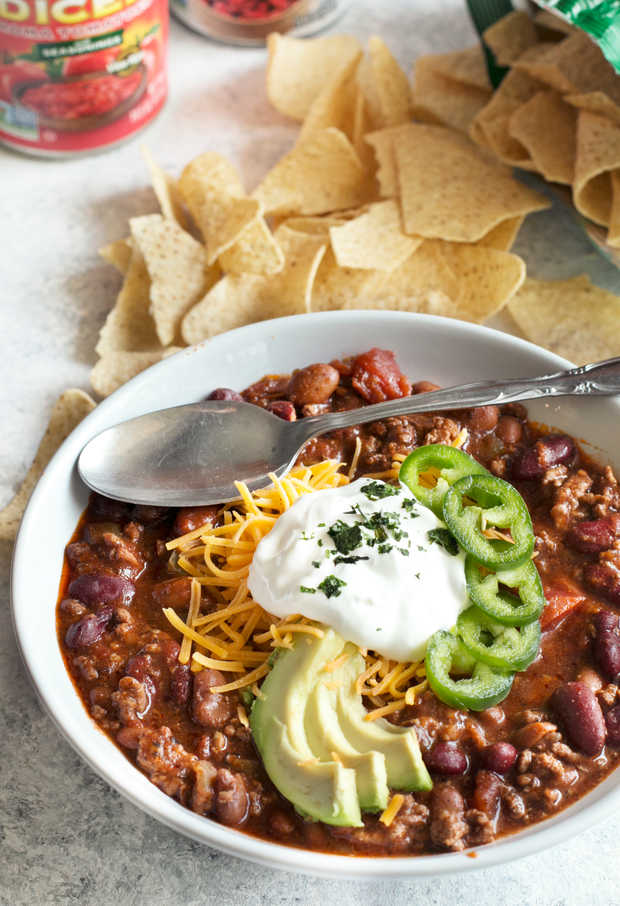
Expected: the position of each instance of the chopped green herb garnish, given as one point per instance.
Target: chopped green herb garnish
(316, 564)
(331, 586)
(306, 590)
(404, 551)
(305, 537)
(417, 575)
(353, 558)
(445, 538)
(377, 490)
(345, 537)
(384, 548)
(409, 504)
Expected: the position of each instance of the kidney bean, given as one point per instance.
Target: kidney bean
(579, 711)
(98, 589)
(313, 384)
(509, 430)
(225, 393)
(612, 721)
(143, 668)
(604, 579)
(546, 452)
(424, 387)
(180, 684)
(446, 758)
(283, 409)
(483, 419)
(231, 798)
(592, 537)
(89, 629)
(500, 757)
(107, 509)
(487, 793)
(173, 593)
(607, 645)
(189, 518)
(210, 709)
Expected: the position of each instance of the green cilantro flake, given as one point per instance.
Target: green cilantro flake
(307, 591)
(316, 564)
(409, 505)
(377, 490)
(345, 537)
(353, 558)
(445, 538)
(331, 586)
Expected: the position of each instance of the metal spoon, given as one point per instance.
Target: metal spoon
(192, 455)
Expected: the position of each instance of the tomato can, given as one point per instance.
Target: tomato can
(249, 22)
(79, 76)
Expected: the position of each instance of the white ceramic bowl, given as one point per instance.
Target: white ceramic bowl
(437, 349)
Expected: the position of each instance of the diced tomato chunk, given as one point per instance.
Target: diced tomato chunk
(377, 377)
(562, 598)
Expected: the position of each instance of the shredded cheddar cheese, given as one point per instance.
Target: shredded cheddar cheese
(393, 807)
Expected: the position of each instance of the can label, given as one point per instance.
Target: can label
(76, 75)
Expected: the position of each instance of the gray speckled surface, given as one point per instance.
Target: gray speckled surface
(65, 836)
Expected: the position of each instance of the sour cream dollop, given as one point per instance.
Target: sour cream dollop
(367, 560)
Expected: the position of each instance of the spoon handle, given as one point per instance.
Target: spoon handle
(599, 379)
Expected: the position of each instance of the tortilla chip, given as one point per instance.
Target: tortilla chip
(450, 279)
(598, 153)
(177, 266)
(255, 251)
(502, 236)
(490, 128)
(237, 300)
(382, 143)
(335, 104)
(596, 102)
(510, 36)
(374, 240)
(385, 87)
(321, 174)
(477, 196)
(547, 128)
(129, 326)
(298, 69)
(316, 226)
(467, 67)
(546, 21)
(116, 368)
(361, 127)
(572, 318)
(613, 237)
(166, 189)
(69, 410)
(118, 254)
(215, 196)
(575, 65)
(439, 99)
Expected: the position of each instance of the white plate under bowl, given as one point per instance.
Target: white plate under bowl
(430, 348)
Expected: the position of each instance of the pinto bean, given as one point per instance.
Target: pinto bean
(580, 713)
(593, 536)
(483, 419)
(446, 758)
(210, 709)
(173, 593)
(180, 684)
(89, 629)
(284, 409)
(487, 793)
(225, 393)
(98, 589)
(500, 757)
(110, 510)
(546, 452)
(231, 798)
(424, 387)
(313, 384)
(189, 518)
(612, 721)
(607, 644)
(447, 817)
(509, 430)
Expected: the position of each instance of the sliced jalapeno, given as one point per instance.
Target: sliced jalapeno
(443, 464)
(484, 687)
(489, 591)
(495, 504)
(503, 647)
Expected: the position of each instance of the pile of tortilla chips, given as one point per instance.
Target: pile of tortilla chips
(556, 112)
(369, 209)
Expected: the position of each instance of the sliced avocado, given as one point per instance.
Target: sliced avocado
(327, 741)
(324, 790)
(399, 745)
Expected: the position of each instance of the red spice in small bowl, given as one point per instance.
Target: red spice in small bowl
(250, 10)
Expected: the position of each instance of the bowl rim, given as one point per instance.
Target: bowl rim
(579, 816)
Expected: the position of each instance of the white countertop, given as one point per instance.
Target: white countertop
(65, 836)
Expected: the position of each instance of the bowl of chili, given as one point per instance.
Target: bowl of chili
(579, 603)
